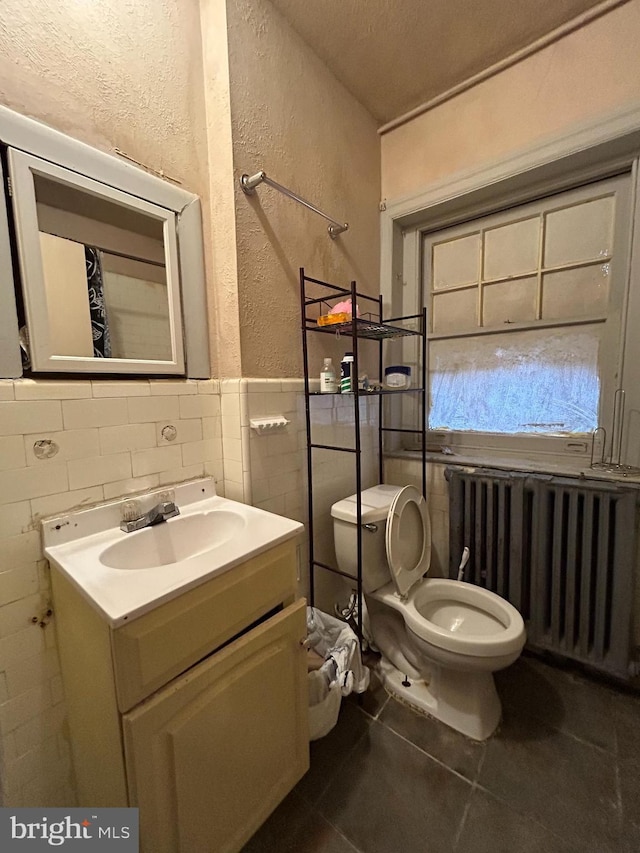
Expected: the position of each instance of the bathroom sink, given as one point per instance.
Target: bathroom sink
(127, 574)
(173, 541)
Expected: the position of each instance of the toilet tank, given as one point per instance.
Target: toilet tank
(375, 509)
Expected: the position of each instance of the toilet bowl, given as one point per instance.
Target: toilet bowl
(440, 639)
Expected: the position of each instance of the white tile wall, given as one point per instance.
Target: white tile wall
(277, 462)
(122, 389)
(188, 472)
(98, 470)
(202, 406)
(132, 485)
(18, 549)
(127, 437)
(12, 453)
(18, 417)
(162, 408)
(53, 504)
(45, 389)
(169, 387)
(402, 471)
(80, 414)
(17, 583)
(108, 441)
(24, 483)
(6, 390)
(110, 444)
(155, 460)
(15, 518)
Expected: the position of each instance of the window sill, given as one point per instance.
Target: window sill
(570, 468)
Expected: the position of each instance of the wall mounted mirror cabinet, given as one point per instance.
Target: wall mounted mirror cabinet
(101, 263)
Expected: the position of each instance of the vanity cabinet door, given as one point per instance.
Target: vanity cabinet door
(212, 754)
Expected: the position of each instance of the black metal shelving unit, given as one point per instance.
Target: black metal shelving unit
(355, 331)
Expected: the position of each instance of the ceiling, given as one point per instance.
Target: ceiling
(394, 55)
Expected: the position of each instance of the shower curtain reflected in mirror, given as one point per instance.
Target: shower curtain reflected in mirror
(99, 323)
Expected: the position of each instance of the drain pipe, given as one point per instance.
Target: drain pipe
(463, 562)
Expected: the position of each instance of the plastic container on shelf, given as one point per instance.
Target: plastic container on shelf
(347, 379)
(397, 377)
(328, 381)
(330, 319)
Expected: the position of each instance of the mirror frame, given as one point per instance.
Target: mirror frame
(36, 147)
(22, 169)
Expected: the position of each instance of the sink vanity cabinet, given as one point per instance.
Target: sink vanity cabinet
(195, 711)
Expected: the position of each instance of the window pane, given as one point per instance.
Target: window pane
(581, 292)
(511, 249)
(509, 302)
(455, 311)
(579, 233)
(534, 381)
(456, 262)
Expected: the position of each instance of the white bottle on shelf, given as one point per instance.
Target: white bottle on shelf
(328, 384)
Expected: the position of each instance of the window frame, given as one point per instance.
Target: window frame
(611, 342)
(593, 151)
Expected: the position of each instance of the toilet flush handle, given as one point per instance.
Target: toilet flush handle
(372, 528)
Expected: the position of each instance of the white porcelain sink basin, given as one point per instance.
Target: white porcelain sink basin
(174, 541)
(127, 574)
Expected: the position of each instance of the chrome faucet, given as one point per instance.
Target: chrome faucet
(158, 513)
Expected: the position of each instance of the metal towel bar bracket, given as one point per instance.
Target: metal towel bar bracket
(250, 182)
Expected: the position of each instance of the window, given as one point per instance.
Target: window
(526, 311)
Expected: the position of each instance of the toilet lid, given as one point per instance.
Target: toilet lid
(408, 539)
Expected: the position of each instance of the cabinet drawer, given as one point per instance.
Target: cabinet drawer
(160, 645)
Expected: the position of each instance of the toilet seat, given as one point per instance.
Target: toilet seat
(408, 543)
(423, 610)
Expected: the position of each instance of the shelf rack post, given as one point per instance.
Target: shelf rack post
(307, 412)
(356, 406)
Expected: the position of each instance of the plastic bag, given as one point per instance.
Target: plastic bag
(340, 674)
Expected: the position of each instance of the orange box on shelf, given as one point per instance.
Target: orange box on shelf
(328, 319)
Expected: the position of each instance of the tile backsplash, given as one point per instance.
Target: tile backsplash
(66, 444)
(403, 471)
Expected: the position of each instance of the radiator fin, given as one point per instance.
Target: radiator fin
(561, 550)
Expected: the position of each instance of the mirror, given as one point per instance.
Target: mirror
(110, 260)
(100, 273)
(104, 276)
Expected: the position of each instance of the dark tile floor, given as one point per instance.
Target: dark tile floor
(561, 775)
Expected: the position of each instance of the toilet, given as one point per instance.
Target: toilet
(441, 640)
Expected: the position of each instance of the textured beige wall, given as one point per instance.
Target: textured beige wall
(292, 118)
(112, 74)
(222, 228)
(591, 72)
